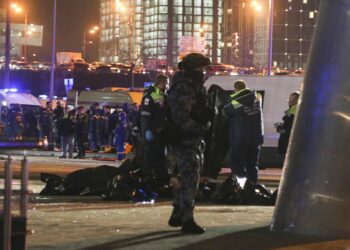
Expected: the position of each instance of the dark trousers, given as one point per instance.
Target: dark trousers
(244, 161)
(154, 160)
(80, 139)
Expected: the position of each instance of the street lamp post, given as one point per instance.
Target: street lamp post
(19, 9)
(269, 59)
(7, 46)
(131, 32)
(25, 35)
(131, 46)
(85, 42)
(53, 51)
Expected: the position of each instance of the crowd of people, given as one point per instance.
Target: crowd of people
(64, 129)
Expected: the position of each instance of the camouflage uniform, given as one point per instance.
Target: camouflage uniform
(186, 102)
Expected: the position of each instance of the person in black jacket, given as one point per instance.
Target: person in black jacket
(66, 131)
(246, 131)
(81, 121)
(285, 128)
(153, 117)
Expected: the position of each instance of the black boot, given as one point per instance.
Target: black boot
(191, 227)
(174, 222)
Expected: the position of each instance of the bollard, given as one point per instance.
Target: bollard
(314, 195)
(7, 227)
(24, 197)
(24, 187)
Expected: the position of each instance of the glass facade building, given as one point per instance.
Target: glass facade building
(166, 21)
(121, 29)
(293, 26)
(18, 38)
(230, 48)
(154, 27)
(294, 23)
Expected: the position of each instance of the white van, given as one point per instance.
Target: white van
(25, 101)
(87, 98)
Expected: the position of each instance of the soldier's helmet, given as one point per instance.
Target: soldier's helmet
(194, 60)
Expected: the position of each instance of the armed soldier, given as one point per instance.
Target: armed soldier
(190, 119)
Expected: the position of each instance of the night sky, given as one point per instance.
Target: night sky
(73, 17)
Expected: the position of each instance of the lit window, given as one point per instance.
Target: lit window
(304, 1)
(311, 15)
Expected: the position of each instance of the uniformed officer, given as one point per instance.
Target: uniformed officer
(246, 131)
(285, 128)
(190, 117)
(153, 116)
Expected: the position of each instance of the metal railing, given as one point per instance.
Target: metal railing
(9, 236)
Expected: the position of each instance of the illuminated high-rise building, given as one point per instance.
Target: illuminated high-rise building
(246, 31)
(121, 29)
(153, 29)
(294, 24)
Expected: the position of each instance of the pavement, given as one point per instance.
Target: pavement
(90, 223)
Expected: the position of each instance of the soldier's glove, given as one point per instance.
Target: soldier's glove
(149, 136)
(175, 182)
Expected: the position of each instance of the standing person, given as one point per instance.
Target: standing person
(80, 131)
(66, 131)
(105, 136)
(120, 134)
(112, 124)
(134, 127)
(153, 117)
(46, 125)
(246, 131)
(189, 118)
(14, 121)
(58, 114)
(94, 133)
(30, 124)
(285, 128)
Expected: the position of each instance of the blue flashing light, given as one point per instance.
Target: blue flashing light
(147, 84)
(12, 90)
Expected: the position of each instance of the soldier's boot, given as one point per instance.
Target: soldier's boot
(175, 218)
(191, 227)
(174, 222)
